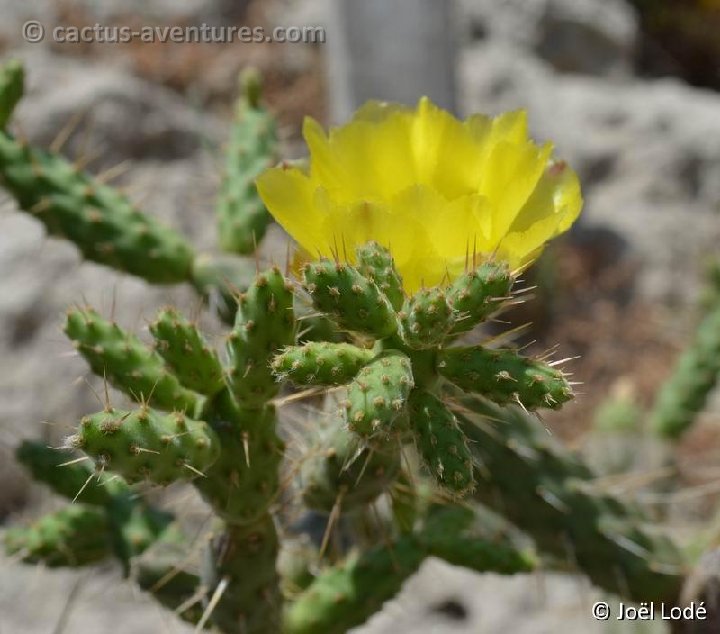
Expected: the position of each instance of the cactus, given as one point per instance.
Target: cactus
(242, 216)
(127, 363)
(113, 521)
(12, 86)
(346, 594)
(320, 363)
(147, 445)
(549, 494)
(410, 358)
(413, 426)
(503, 377)
(76, 535)
(101, 222)
(684, 394)
(186, 353)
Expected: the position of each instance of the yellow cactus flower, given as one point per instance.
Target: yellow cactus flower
(428, 186)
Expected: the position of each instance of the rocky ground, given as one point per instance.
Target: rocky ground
(648, 152)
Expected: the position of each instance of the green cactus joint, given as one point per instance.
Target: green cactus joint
(264, 324)
(355, 301)
(76, 535)
(186, 353)
(98, 219)
(242, 217)
(148, 445)
(426, 319)
(441, 443)
(377, 397)
(12, 87)
(343, 470)
(73, 480)
(242, 483)
(549, 494)
(478, 294)
(376, 264)
(504, 377)
(320, 363)
(126, 362)
(247, 556)
(347, 594)
(696, 373)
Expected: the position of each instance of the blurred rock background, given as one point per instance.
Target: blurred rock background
(628, 92)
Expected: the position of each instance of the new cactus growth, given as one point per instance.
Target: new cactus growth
(347, 594)
(442, 443)
(377, 396)
(321, 363)
(12, 85)
(147, 445)
(686, 391)
(126, 362)
(186, 353)
(503, 377)
(76, 535)
(412, 429)
(252, 148)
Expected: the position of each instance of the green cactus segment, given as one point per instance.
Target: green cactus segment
(505, 377)
(76, 481)
(549, 494)
(685, 393)
(77, 535)
(354, 300)
(376, 264)
(252, 148)
(340, 470)
(441, 443)
(12, 87)
(346, 595)
(126, 362)
(148, 445)
(243, 559)
(176, 589)
(186, 353)
(426, 319)
(478, 294)
(264, 325)
(319, 363)
(377, 396)
(242, 484)
(99, 220)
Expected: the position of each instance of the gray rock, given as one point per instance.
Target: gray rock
(442, 599)
(32, 600)
(112, 114)
(595, 37)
